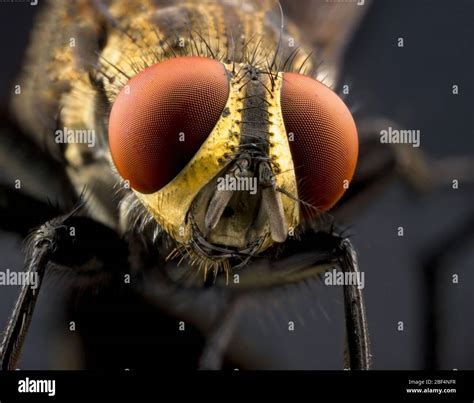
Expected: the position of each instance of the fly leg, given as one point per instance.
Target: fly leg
(218, 341)
(358, 344)
(42, 245)
(69, 242)
(213, 311)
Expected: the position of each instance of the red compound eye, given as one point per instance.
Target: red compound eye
(162, 116)
(325, 144)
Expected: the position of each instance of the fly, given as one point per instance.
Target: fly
(181, 95)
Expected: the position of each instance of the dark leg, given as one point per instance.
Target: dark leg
(358, 343)
(17, 327)
(69, 242)
(215, 311)
(218, 341)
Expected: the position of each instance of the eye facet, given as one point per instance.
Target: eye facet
(322, 137)
(162, 117)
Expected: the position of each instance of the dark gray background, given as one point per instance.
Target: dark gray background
(410, 85)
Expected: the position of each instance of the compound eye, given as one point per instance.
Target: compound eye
(322, 137)
(162, 116)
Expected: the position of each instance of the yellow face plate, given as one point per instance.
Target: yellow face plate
(170, 205)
